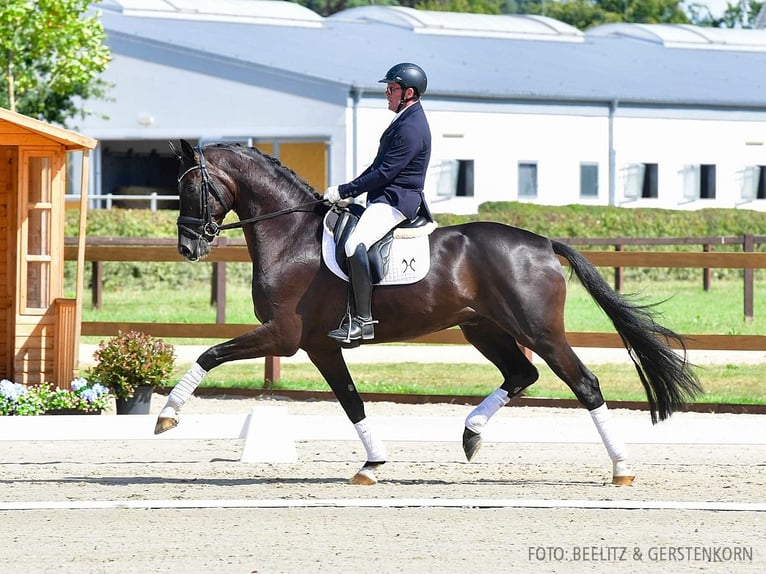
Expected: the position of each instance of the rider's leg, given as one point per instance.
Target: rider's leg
(361, 324)
(377, 220)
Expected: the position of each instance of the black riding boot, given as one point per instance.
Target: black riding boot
(360, 326)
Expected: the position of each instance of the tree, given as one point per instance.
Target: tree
(329, 7)
(471, 6)
(584, 14)
(52, 55)
(741, 14)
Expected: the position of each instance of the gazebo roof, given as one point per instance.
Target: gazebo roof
(69, 139)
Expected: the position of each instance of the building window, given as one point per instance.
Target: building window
(450, 178)
(707, 181)
(642, 181)
(528, 179)
(699, 182)
(754, 182)
(464, 178)
(588, 180)
(650, 186)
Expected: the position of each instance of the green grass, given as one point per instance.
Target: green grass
(684, 307)
(688, 309)
(729, 383)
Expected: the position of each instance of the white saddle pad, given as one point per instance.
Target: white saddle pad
(409, 261)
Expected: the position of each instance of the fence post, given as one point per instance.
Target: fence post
(748, 245)
(218, 287)
(706, 274)
(97, 284)
(618, 273)
(271, 372)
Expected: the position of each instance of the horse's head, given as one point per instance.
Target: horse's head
(203, 202)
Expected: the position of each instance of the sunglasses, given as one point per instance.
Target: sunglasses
(390, 90)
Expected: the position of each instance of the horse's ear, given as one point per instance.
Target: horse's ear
(188, 151)
(174, 150)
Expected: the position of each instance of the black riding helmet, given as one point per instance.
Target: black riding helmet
(407, 75)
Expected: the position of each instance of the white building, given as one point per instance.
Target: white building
(521, 107)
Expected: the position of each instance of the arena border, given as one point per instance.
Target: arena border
(413, 399)
(480, 503)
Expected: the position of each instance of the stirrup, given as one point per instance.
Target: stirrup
(363, 329)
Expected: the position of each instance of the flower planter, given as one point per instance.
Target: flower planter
(70, 412)
(139, 404)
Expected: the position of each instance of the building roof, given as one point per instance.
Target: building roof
(466, 56)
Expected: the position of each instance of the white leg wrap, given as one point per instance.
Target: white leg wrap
(602, 418)
(479, 417)
(185, 387)
(376, 451)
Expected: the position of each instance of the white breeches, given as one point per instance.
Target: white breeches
(377, 220)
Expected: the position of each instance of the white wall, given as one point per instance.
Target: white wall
(152, 101)
(731, 145)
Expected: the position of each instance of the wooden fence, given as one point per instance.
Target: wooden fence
(100, 250)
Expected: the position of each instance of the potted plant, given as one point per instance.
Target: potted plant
(83, 397)
(15, 399)
(131, 365)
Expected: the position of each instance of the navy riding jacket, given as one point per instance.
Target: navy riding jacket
(398, 172)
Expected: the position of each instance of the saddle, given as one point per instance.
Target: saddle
(379, 253)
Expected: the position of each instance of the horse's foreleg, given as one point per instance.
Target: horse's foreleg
(333, 368)
(254, 344)
(181, 392)
(376, 454)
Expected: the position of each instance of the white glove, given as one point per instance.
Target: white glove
(332, 194)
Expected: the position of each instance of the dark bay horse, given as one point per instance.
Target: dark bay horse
(502, 286)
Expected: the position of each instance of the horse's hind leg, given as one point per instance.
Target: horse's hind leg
(584, 384)
(518, 374)
(333, 368)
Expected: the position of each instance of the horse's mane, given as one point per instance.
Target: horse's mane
(254, 154)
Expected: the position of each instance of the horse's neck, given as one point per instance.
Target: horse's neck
(284, 237)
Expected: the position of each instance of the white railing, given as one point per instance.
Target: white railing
(105, 201)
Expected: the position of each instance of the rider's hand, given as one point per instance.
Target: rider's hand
(332, 194)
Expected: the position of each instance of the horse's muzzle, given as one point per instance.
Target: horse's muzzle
(193, 250)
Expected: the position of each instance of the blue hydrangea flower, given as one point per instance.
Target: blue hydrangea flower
(100, 389)
(11, 390)
(89, 395)
(78, 383)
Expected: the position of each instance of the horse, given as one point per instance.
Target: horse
(503, 286)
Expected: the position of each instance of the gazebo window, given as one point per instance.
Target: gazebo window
(39, 216)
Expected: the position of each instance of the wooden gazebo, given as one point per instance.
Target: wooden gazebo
(41, 329)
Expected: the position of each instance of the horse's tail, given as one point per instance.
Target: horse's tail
(666, 376)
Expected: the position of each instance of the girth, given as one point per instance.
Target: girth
(380, 251)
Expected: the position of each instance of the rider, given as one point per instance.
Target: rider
(394, 186)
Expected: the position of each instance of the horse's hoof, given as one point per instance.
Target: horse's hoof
(366, 475)
(167, 420)
(471, 443)
(623, 480)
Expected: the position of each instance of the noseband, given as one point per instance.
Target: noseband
(210, 229)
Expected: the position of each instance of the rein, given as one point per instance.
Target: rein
(257, 218)
(210, 229)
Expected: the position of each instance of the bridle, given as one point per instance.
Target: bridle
(209, 228)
